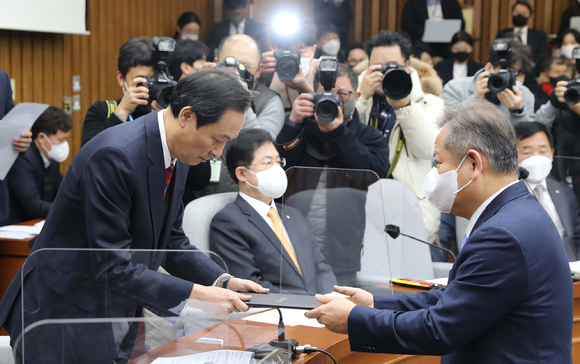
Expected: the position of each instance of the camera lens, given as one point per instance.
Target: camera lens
(397, 84)
(164, 98)
(287, 68)
(498, 82)
(326, 110)
(572, 95)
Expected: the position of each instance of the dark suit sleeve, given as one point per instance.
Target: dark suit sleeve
(8, 97)
(96, 121)
(487, 285)
(24, 186)
(542, 51)
(291, 143)
(411, 22)
(107, 185)
(575, 211)
(228, 241)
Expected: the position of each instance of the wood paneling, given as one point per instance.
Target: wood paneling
(42, 64)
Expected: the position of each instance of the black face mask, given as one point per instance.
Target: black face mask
(519, 20)
(461, 56)
(554, 80)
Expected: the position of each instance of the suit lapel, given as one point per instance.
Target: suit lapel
(560, 203)
(514, 191)
(155, 174)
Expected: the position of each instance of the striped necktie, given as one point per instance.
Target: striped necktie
(168, 175)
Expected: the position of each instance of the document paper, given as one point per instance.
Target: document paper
(16, 122)
(214, 357)
(440, 31)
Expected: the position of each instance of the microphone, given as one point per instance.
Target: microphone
(288, 346)
(523, 173)
(394, 232)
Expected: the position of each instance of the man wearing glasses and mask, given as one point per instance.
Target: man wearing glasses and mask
(258, 239)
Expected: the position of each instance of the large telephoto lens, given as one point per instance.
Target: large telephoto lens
(397, 84)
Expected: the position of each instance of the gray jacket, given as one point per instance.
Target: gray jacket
(461, 89)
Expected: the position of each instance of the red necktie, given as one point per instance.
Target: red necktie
(168, 175)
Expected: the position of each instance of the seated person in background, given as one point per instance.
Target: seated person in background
(535, 152)
(517, 103)
(188, 26)
(553, 70)
(570, 40)
(188, 57)
(355, 54)
(459, 65)
(534, 38)
(134, 66)
(328, 43)
(302, 42)
(423, 52)
(34, 179)
(251, 233)
(407, 124)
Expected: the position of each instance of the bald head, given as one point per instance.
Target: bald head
(244, 48)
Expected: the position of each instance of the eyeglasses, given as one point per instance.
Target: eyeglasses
(345, 94)
(270, 163)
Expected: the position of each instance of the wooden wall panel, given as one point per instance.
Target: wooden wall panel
(42, 64)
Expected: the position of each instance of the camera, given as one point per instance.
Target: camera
(230, 62)
(160, 85)
(397, 82)
(572, 94)
(326, 103)
(287, 64)
(505, 78)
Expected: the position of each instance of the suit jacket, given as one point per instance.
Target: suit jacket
(254, 29)
(32, 187)
(509, 298)
(566, 204)
(110, 198)
(538, 43)
(251, 250)
(445, 69)
(415, 14)
(6, 104)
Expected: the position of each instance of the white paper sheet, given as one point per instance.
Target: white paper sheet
(31, 230)
(14, 235)
(440, 31)
(575, 22)
(16, 122)
(441, 281)
(40, 224)
(292, 317)
(575, 267)
(214, 357)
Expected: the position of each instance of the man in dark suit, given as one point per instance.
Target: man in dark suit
(237, 23)
(509, 296)
(123, 191)
(35, 177)
(536, 39)
(416, 12)
(258, 239)
(20, 144)
(536, 151)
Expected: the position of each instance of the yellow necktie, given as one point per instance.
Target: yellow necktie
(273, 215)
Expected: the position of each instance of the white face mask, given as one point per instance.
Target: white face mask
(441, 189)
(57, 152)
(272, 182)
(538, 167)
(305, 64)
(567, 50)
(331, 47)
(190, 36)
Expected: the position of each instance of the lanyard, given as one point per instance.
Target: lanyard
(130, 117)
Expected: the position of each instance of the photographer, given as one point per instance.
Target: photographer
(518, 102)
(134, 66)
(189, 56)
(408, 122)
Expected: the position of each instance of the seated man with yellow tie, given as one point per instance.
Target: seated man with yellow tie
(259, 239)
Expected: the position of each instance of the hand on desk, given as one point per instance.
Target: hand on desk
(335, 311)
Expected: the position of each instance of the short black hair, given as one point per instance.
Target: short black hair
(241, 149)
(572, 31)
(186, 18)
(304, 36)
(187, 51)
(525, 130)
(520, 52)
(209, 93)
(524, 3)
(419, 48)
(328, 28)
(51, 121)
(135, 52)
(462, 36)
(342, 71)
(550, 61)
(353, 46)
(235, 4)
(389, 38)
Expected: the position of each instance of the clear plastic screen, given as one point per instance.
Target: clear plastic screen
(567, 171)
(118, 306)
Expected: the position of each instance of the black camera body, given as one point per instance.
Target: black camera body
(287, 64)
(506, 77)
(160, 85)
(397, 83)
(572, 94)
(230, 62)
(326, 103)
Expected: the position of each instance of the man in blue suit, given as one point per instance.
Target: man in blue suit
(509, 297)
(123, 191)
(258, 239)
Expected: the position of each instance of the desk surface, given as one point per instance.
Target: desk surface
(17, 247)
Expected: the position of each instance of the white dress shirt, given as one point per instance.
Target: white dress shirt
(523, 33)
(166, 154)
(550, 207)
(459, 70)
(241, 27)
(434, 10)
(45, 160)
(477, 214)
(262, 209)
